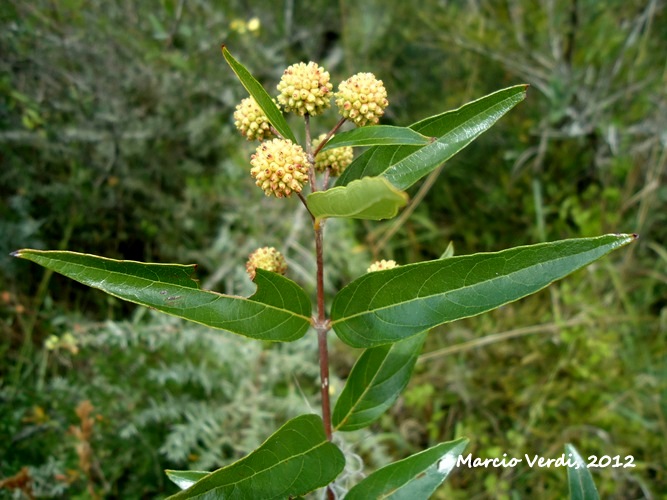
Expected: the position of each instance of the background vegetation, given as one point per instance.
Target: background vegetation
(117, 139)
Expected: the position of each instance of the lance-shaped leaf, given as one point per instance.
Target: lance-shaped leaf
(295, 460)
(368, 198)
(185, 478)
(377, 135)
(377, 379)
(263, 99)
(387, 306)
(278, 311)
(579, 478)
(412, 478)
(405, 165)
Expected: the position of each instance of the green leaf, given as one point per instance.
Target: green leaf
(295, 460)
(260, 95)
(377, 379)
(185, 478)
(368, 198)
(387, 306)
(405, 165)
(278, 311)
(377, 135)
(579, 477)
(412, 478)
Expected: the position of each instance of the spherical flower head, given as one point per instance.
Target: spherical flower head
(362, 99)
(305, 88)
(267, 258)
(251, 121)
(279, 167)
(381, 265)
(336, 159)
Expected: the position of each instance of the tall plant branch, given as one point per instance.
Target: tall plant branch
(321, 323)
(322, 326)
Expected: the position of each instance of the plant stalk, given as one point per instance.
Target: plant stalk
(322, 327)
(320, 321)
(328, 136)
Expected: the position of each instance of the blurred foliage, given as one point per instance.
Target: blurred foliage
(117, 139)
(163, 394)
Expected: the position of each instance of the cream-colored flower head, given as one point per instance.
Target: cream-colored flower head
(267, 258)
(362, 99)
(305, 88)
(336, 159)
(251, 121)
(381, 265)
(279, 167)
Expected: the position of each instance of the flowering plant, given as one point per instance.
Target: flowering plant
(387, 312)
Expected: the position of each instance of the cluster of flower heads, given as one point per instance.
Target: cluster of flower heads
(279, 166)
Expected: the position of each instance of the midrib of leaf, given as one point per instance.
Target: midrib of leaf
(216, 296)
(429, 121)
(446, 293)
(377, 373)
(492, 115)
(406, 484)
(268, 469)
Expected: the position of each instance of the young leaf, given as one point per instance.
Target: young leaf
(415, 477)
(405, 165)
(295, 460)
(377, 135)
(579, 477)
(260, 95)
(185, 478)
(449, 251)
(278, 311)
(377, 379)
(368, 198)
(387, 306)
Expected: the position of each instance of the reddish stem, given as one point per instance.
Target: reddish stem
(322, 327)
(328, 136)
(320, 321)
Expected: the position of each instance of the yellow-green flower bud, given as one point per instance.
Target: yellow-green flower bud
(279, 167)
(251, 121)
(382, 265)
(267, 258)
(336, 159)
(362, 99)
(305, 88)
